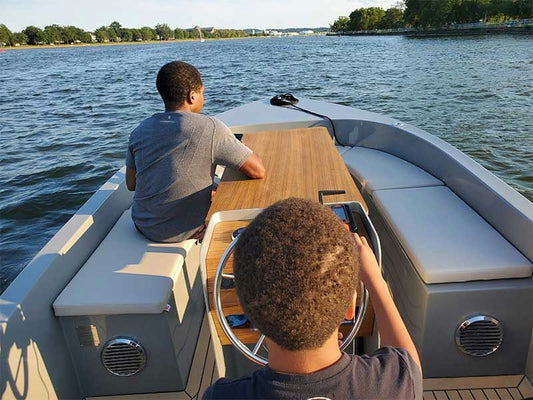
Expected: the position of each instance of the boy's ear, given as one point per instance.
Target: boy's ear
(190, 97)
(350, 312)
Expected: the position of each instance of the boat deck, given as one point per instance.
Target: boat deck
(511, 387)
(236, 192)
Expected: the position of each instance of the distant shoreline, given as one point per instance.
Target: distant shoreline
(442, 32)
(59, 46)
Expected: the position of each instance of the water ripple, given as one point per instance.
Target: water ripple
(66, 113)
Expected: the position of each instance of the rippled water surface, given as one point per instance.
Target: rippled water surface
(66, 113)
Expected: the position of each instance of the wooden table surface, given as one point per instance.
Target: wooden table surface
(298, 163)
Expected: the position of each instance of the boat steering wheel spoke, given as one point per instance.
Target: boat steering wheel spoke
(258, 344)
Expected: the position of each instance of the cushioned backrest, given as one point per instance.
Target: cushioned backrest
(377, 170)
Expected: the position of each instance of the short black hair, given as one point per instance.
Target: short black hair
(296, 269)
(176, 80)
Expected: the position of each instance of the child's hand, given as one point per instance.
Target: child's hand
(368, 265)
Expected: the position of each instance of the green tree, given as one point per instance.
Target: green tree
(5, 35)
(115, 26)
(356, 17)
(163, 31)
(147, 33)
(341, 24)
(392, 19)
(464, 11)
(179, 34)
(412, 12)
(365, 19)
(52, 34)
(522, 9)
(84, 37)
(19, 38)
(67, 34)
(136, 35)
(35, 35)
(435, 14)
(113, 37)
(500, 8)
(114, 30)
(102, 35)
(126, 35)
(428, 13)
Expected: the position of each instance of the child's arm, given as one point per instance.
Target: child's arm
(391, 327)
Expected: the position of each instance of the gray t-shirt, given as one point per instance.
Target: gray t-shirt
(175, 155)
(389, 373)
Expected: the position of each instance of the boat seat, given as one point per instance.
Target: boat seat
(127, 274)
(377, 170)
(342, 149)
(445, 239)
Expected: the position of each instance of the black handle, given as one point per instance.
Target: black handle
(322, 193)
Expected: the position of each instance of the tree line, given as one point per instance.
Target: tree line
(433, 13)
(115, 32)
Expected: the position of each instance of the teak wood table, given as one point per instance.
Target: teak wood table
(298, 163)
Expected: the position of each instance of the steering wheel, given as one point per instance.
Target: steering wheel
(253, 355)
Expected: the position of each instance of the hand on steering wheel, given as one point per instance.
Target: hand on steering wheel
(252, 355)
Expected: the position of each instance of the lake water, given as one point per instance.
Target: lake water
(66, 113)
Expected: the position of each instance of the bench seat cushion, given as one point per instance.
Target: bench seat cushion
(446, 240)
(126, 274)
(377, 170)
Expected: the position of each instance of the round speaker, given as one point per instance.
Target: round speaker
(123, 357)
(479, 335)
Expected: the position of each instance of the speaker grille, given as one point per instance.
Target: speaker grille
(479, 336)
(123, 357)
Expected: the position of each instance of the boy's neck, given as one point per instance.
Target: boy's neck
(182, 107)
(173, 107)
(304, 361)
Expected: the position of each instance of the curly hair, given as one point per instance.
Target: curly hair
(296, 270)
(175, 81)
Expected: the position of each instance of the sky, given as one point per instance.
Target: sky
(239, 14)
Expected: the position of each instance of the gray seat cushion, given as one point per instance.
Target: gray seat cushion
(342, 149)
(446, 240)
(126, 274)
(377, 170)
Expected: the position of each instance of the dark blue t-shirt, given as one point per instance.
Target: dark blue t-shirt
(389, 373)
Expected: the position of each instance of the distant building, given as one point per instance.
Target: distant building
(210, 29)
(309, 32)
